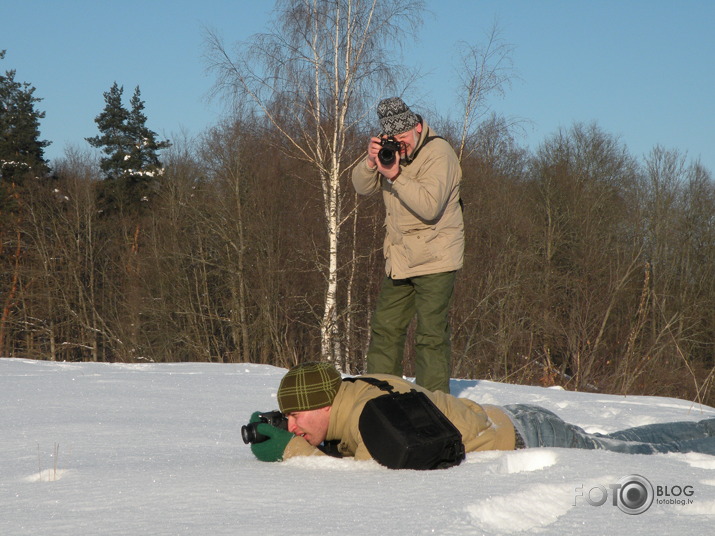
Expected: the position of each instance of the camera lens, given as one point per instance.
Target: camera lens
(248, 433)
(388, 152)
(386, 156)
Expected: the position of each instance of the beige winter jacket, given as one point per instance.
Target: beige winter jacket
(424, 227)
(482, 427)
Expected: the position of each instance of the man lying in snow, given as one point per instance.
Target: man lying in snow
(379, 416)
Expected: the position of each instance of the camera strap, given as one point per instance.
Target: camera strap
(427, 140)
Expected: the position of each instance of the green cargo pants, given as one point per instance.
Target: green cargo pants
(428, 296)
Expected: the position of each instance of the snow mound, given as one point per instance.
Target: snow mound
(535, 507)
(528, 460)
(701, 461)
(46, 475)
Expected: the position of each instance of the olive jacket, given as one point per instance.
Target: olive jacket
(483, 427)
(424, 225)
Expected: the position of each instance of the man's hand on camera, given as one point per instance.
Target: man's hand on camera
(389, 172)
(272, 449)
(373, 147)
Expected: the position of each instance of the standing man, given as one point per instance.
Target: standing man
(424, 244)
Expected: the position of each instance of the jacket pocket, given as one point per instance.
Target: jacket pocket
(419, 247)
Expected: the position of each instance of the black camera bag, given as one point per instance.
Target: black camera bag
(407, 431)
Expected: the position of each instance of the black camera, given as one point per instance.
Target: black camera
(390, 147)
(274, 418)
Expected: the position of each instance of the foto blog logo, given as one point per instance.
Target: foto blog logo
(633, 494)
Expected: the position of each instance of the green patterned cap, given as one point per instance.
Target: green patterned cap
(308, 386)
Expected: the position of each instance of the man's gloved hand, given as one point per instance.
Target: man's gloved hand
(272, 449)
(255, 417)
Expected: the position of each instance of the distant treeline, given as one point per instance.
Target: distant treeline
(583, 266)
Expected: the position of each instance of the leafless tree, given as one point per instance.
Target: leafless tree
(486, 70)
(314, 77)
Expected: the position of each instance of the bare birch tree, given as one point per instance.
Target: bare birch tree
(485, 69)
(314, 77)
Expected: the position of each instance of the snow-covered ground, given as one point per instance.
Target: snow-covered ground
(155, 449)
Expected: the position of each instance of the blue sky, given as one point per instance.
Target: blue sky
(644, 70)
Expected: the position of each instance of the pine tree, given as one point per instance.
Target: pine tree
(131, 164)
(113, 140)
(21, 154)
(21, 149)
(144, 152)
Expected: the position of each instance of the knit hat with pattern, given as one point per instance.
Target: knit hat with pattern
(395, 117)
(308, 386)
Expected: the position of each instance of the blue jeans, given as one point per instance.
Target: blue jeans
(540, 427)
